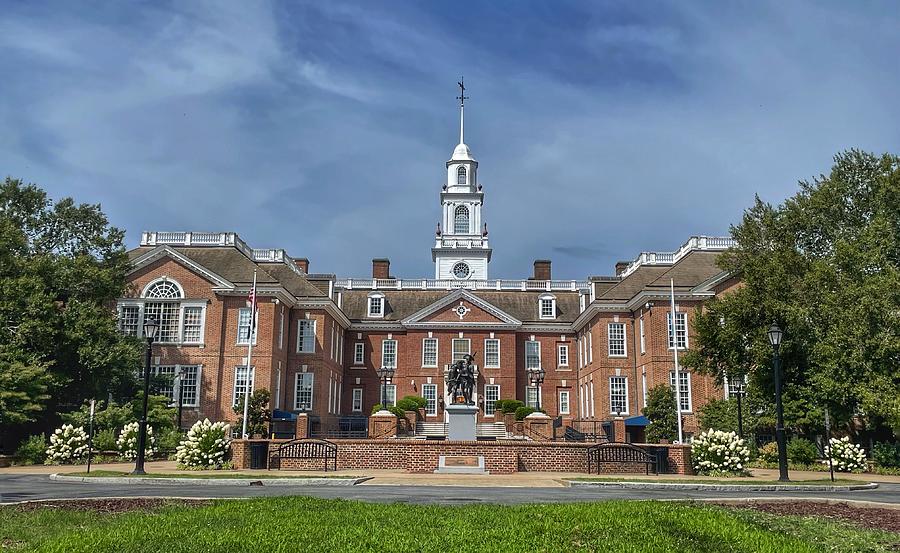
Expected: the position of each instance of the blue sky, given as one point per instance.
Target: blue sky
(602, 128)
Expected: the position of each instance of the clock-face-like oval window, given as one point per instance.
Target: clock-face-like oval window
(461, 270)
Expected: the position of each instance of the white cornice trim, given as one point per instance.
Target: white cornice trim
(453, 297)
(708, 284)
(558, 328)
(166, 251)
(374, 326)
(635, 303)
(328, 305)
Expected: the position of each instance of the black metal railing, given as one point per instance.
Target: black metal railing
(595, 431)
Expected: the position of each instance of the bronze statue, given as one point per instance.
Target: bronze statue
(461, 379)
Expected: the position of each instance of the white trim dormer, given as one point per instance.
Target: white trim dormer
(548, 301)
(375, 305)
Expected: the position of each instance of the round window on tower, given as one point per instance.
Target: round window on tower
(461, 270)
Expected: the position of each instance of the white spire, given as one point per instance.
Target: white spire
(462, 152)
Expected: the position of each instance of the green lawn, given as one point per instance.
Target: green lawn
(202, 474)
(306, 524)
(728, 481)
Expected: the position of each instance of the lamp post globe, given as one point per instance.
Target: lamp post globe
(151, 326)
(385, 374)
(775, 335)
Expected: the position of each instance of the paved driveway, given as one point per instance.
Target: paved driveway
(23, 487)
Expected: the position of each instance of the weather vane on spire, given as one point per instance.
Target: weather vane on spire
(462, 92)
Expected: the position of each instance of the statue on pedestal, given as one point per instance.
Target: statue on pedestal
(461, 380)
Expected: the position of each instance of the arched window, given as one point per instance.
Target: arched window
(164, 290)
(461, 220)
(461, 175)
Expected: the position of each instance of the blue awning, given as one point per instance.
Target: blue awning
(639, 420)
(279, 415)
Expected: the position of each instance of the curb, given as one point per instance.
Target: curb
(718, 487)
(239, 482)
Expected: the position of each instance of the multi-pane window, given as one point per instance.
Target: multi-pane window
(356, 404)
(532, 355)
(616, 339)
(183, 377)
(618, 394)
(189, 382)
(429, 352)
(129, 319)
(531, 396)
(376, 305)
(388, 395)
(564, 402)
(281, 330)
(306, 336)
(303, 392)
(164, 289)
(166, 314)
(491, 395)
(643, 338)
(562, 355)
(244, 326)
(461, 220)
(429, 392)
(684, 389)
(492, 353)
(193, 325)
(680, 329)
(461, 175)
(166, 384)
(736, 386)
(461, 348)
(389, 353)
(590, 347)
(548, 308)
(241, 382)
(359, 353)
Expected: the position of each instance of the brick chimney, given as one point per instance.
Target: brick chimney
(621, 266)
(542, 269)
(302, 264)
(381, 268)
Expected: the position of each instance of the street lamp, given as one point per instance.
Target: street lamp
(150, 328)
(775, 334)
(737, 385)
(385, 374)
(536, 376)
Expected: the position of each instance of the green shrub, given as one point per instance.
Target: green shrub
(169, 440)
(768, 453)
(802, 451)
(396, 410)
(419, 402)
(32, 450)
(205, 446)
(408, 403)
(661, 411)
(509, 406)
(715, 452)
(524, 411)
(886, 454)
(105, 440)
(258, 413)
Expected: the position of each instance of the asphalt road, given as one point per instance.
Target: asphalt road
(14, 488)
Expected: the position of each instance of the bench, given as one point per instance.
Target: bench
(310, 448)
(619, 453)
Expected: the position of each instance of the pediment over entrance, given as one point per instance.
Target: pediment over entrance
(459, 309)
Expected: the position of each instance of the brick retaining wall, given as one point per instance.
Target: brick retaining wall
(500, 457)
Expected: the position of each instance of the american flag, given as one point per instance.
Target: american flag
(252, 298)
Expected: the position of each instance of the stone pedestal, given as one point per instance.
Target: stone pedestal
(539, 426)
(382, 424)
(461, 422)
(301, 432)
(619, 430)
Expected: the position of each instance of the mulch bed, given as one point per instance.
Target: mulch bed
(866, 517)
(110, 506)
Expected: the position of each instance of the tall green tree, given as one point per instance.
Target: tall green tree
(61, 267)
(825, 265)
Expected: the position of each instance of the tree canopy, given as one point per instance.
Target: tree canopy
(824, 265)
(61, 267)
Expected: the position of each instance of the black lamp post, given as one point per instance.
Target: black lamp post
(385, 374)
(775, 335)
(537, 378)
(737, 384)
(150, 328)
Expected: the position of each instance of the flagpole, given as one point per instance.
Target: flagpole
(249, 354)
(674, 337)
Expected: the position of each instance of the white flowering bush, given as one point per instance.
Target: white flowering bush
(717, 452)
(127, 443)
(67, 445)
(846, 456)
(205, 446)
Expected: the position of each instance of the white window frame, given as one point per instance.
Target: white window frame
(622, 388)
(453, 351)
(456, 225)
(562, 355)
(488, 364)
(391, 394)
(425, 362)
(730, 382)
(590, 346)
(623, 339)
(684, 375)
(547, 298)
(679, 315)
(253, 332)
(359, 353)
(461, 171)
(527, 364)
(378, 313)
(431, 405)
(643, 337)
(306, 323)
(536, 391)
(356, 404)
(490, 405)
(301, 376)
(251, 380)
(281, 329)
(564, 405)
(384, 355)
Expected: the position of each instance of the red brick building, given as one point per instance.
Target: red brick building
(601, 342)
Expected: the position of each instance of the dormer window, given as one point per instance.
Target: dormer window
(376, 305)
(461, 175)
(547, 306)
(461, 220)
